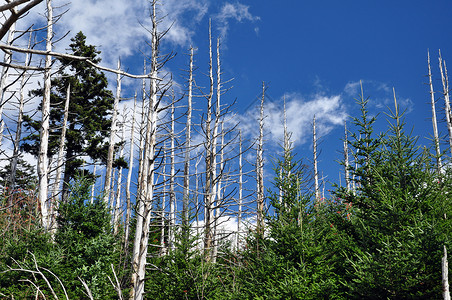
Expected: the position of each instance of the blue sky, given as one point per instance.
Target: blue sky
(313, 53)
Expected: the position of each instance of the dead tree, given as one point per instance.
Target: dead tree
(16, 11)
(16, 150)
(118, 204)
(3, 80)
(240, 199)
(209, 192)
(60, 159)
(186, 194)
(111, 146)
(260, 168)
(346, 159)
(147, 188)
(434, 122)
(316, 171)
(129, 176)
(45, 124)
(445, 82)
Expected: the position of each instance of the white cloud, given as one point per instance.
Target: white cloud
(329, 112)
(238, 12)
(380, 95)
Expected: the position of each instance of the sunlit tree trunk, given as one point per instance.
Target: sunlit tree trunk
(118, 203)
(186, 194)
(45, 124)
(111, 146)
(240, 202)
(94, 183)
(260, 168)
(316, 171)
(434, 122)
(346, 159)
(16, 150)
(209, 194)
(140, 247)
(129, 176)
(4, 75)
(445, 82)
(60, 159)
(172, 193)
(445, 275)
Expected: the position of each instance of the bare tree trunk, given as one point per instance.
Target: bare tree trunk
(163, 217)
(216, 179)
(60, 162)
(346, 159)
(111, 147)
(140, 248)
(118, 207)
(208, 215)
(197, 197)
(45, 124)
(260, 168)
(239, 213)
(445, 275)
(434, 122)
(142, 137)
(129, 177)
(445, 82)
(186, 195)
(94, 183)
(16, 150)
(4, 75)
(172, 193)
(316, 172)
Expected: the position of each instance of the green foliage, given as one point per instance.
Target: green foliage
(86, 237)
(183, 272)
(89, 111)
(82, 248)
(398, 217)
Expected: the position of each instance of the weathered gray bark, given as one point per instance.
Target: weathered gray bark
(260, 168)
(60, 159)
(45, 124)
(209, 193)
(140, 247)
(172, 193)
(445, 275)
(129, 176)
(316, 171)
(118, 202)
(4, 75)
(434, 122)
(111, 146)
(186, 195)
(346, 159)
(16, 150)
(94, 183)
(15, 13)
(70, 57)
(240, 200)
(445, 82)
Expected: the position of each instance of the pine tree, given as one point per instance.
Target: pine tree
(397, 219)
(90, 105)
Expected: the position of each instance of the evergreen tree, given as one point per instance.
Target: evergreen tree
(397, 216)
(90, 248)
(25, 176)
(89, 110)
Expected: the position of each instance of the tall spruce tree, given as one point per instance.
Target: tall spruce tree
(89, 109)
(397, 214)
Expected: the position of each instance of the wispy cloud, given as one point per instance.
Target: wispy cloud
(329, 111)
(233, 11)
(380, 95)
